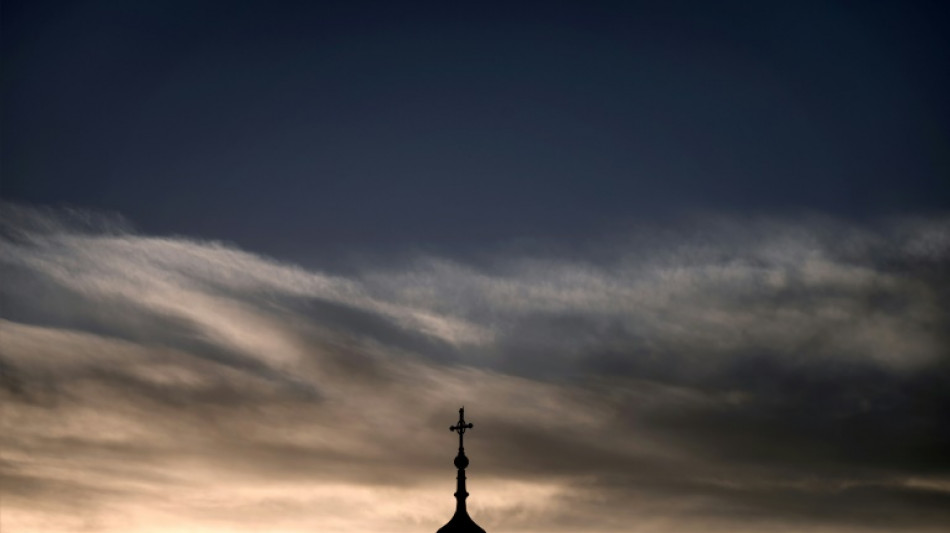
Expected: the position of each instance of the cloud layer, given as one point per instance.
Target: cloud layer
(722, 374)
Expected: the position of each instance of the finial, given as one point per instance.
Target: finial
(461, 522)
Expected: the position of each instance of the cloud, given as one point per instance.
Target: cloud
(754, 374)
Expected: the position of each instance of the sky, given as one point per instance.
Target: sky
(685, 264)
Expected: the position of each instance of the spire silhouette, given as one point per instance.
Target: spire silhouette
(460, 521)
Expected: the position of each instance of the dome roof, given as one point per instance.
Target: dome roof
(461, 523)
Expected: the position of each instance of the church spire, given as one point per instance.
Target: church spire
(460, 521)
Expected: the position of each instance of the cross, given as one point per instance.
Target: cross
(461, 426)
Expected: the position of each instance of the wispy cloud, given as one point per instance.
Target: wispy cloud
(723, 374)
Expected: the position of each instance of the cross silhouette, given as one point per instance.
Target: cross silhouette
(461, 426)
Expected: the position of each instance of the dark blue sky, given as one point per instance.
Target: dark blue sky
(282, 126)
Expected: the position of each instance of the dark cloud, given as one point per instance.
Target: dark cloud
(719, 374)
